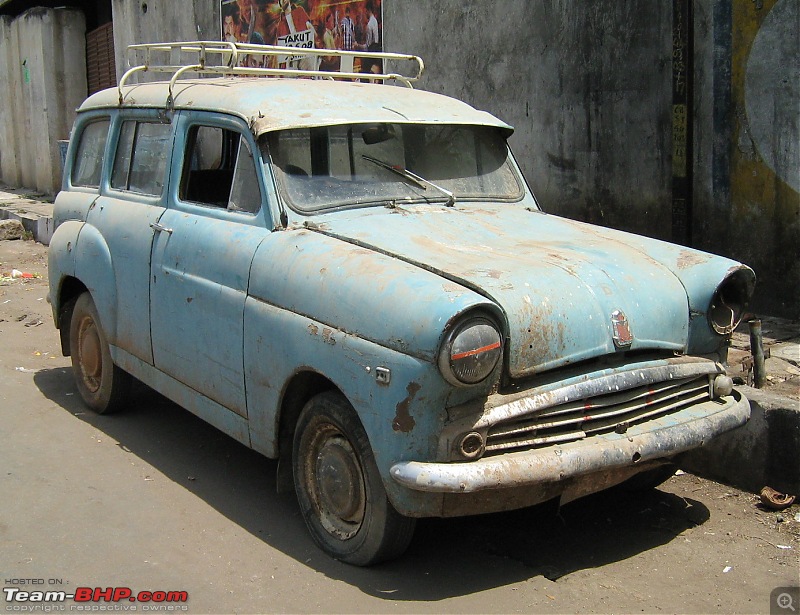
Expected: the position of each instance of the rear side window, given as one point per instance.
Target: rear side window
(219, 170)
(140, 162)
(88, 166)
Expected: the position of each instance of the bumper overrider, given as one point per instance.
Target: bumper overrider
(649, 428)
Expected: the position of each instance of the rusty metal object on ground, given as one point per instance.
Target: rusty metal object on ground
(776, 500)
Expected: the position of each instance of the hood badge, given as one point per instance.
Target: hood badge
(621, 330)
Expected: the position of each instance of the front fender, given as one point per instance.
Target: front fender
(402, 417)
(359, 291)
(699, 272)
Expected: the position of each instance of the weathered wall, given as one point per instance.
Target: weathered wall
(157, 21)
(10, 156)
(748, 140)
(42, 81)
(587, 86)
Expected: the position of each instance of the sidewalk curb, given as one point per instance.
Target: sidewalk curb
(40, 226)
(764, 452)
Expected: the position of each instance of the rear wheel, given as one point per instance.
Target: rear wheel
(104, 386)
(339, 488)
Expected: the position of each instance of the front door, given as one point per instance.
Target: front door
(201, 259)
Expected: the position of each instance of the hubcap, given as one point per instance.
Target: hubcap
(91, 358)
(337, 483)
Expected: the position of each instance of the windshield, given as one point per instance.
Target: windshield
(389, 164)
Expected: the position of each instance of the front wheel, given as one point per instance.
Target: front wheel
(339, 488)
(103, 386)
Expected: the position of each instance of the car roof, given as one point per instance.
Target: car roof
(270, 104)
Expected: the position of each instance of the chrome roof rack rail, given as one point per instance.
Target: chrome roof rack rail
(223, 58)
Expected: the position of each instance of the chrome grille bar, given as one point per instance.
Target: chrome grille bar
(608, 412)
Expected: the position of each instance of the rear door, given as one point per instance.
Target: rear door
(202, 254)
(130, 201)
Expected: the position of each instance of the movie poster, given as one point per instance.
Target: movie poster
(351, 25)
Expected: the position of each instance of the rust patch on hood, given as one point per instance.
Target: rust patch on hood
(403, 421)
(690, 258)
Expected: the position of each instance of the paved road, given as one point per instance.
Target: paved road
(154, 499)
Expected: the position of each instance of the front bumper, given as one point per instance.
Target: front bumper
(652, 440)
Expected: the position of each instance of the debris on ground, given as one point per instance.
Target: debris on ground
(16, 274)
(775, 500)
(781, 339)
(11, 229)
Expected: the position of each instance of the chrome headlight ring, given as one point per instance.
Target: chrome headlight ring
(471, 351)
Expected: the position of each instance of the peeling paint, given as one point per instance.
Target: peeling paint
(403, 421)
(689, 258)
(327, 336)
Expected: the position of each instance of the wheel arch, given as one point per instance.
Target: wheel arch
(299, 389)
(94, 269)
(70, 289)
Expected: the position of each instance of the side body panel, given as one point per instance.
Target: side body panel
(321, 305)
(124, 226)
(198, 291)
(186, 397)
(200, 270)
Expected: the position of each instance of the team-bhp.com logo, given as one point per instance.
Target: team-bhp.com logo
(95, 599)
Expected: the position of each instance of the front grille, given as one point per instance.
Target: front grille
(602, 413)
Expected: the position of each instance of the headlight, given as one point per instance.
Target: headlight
(471, 352)
(730, 301)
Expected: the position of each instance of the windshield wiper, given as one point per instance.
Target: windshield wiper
(415, 179)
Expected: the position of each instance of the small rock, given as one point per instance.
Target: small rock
(11, 229)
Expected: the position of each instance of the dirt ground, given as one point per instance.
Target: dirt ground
(155, 499)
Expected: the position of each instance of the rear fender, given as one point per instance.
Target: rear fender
(95, 269)
(61, 262)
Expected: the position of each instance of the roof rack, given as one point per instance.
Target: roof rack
(223, 58)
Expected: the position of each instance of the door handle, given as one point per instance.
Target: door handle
(160, 228)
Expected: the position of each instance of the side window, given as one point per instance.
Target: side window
(140, 163)
(245, 193)
(88, 164)
(219, 170)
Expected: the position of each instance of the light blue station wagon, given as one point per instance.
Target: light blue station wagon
(355, 279)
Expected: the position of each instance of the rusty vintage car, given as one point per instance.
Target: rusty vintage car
(354, 278)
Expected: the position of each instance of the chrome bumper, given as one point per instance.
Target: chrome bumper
(652, 440)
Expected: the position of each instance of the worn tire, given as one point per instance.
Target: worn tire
(103, 386)
(339, 488)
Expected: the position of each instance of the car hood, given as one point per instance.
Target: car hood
(560, 283)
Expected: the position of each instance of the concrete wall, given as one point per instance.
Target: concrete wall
(157, 21)
(42, 81)
(764, 452)
(587, 85)
(747, 174)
